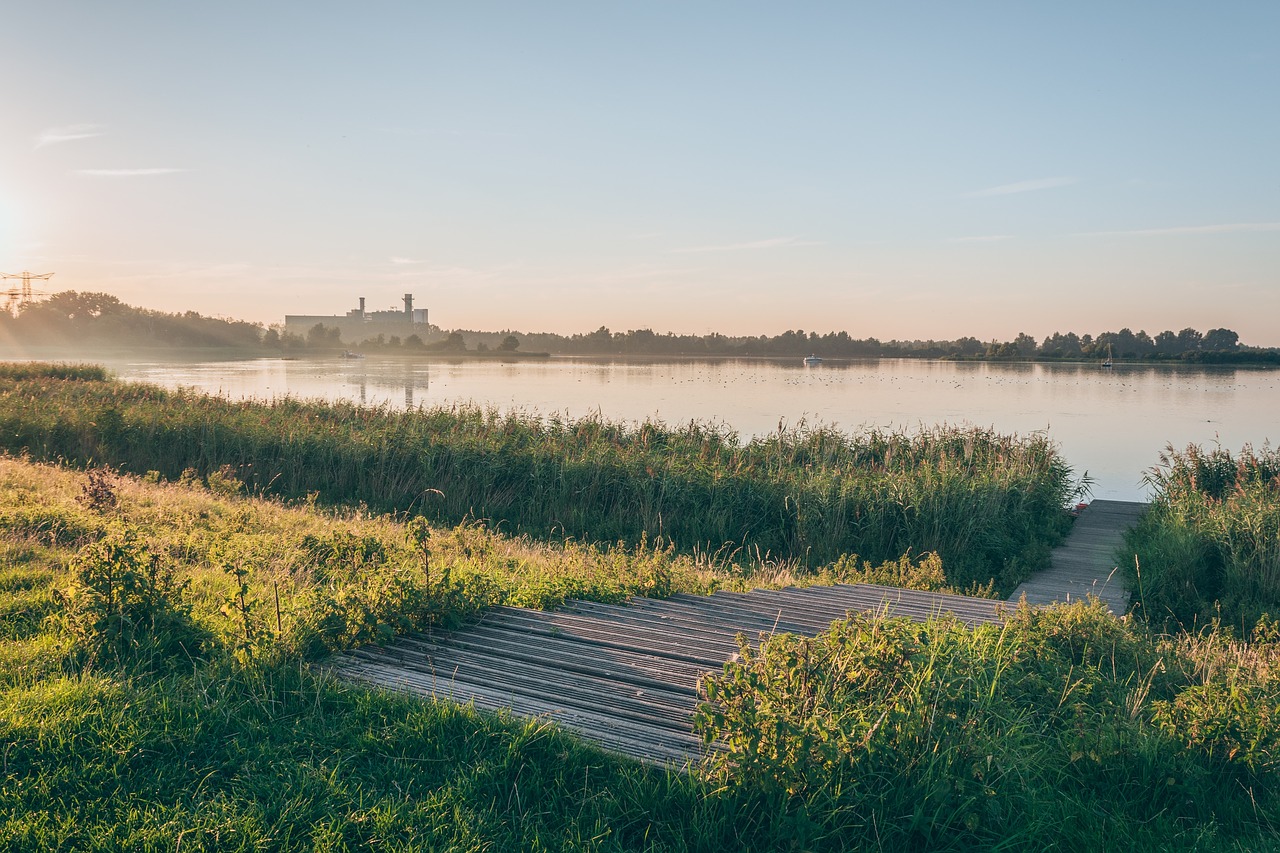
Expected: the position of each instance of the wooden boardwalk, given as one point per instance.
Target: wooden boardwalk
(1086, 563)
(624, 676)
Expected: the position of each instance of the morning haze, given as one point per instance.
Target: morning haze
(931, 172)
(640, 426)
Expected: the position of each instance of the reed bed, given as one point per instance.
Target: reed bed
(991, 505)
(1209, 549)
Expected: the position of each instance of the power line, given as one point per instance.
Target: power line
(17, 297)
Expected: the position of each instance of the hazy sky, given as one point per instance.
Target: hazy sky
(890, 169)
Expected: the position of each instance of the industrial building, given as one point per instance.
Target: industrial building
(360, 325)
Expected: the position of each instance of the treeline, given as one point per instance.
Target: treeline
(1186, 345)
(71, 318)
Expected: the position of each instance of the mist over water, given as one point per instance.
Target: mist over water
(1111, 424)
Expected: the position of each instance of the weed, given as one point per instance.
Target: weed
(124, 603)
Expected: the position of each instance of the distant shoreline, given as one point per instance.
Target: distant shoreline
(1255, 360)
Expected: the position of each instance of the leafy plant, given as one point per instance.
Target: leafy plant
(125, 603)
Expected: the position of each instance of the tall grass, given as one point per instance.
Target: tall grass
(1064, 728)
(989, 504)
(1068, 730)
(1209, 549)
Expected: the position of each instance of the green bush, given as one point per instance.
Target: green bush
(125, 604)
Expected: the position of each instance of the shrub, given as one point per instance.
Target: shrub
(124, 604)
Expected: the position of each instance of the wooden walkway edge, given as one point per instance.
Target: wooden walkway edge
(626, 676)
(1085, 564)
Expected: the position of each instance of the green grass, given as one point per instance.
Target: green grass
(1209, 548)
(991, 505)
(248, 747)
(1062, 729)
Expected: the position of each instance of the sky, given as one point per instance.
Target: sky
(899, 170)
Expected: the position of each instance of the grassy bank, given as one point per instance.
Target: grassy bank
(1209, 549)
(989, 504)
(1063, 729)
(153, 697)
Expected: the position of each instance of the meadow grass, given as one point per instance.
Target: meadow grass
(1055, 734)
(1209, 548)
(990, 505)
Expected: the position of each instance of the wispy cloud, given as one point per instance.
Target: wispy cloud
(68, 133)
(126, 173)
(1023, 187)
(396, 259)
(988, 238)
(1221, 228)
(770, 243)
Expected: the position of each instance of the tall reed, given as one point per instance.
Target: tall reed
(989, 504)
(1210, 546)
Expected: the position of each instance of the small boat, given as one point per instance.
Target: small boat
(813, 359)
(346, 353)
(1108, 362)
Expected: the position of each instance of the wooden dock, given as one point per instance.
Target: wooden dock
(624, 676)
(1086, 563)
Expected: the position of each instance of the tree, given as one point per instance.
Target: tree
(1167, 343)
(509, 344)
(1059, 345)
(1189, 339)
(454, 343)
(321, 335)
(1220, 340)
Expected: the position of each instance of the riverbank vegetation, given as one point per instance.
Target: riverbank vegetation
(153, 692)
(1208, 551)
(84, 321)
(1064, 728)
(154, 695)
(989, 505)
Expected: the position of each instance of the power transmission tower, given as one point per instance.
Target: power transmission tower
(16, 297)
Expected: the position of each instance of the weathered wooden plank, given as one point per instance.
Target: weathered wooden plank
(625, 676)
(1085, 564)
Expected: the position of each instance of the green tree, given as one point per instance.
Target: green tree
(1220, 340)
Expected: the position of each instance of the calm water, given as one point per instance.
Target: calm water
(1110, 423)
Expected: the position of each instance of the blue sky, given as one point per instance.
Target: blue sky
(889, 169)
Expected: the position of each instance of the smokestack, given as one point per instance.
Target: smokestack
(362, 307)
(408, 305)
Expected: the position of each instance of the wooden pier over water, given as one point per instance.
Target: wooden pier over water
(625, 676)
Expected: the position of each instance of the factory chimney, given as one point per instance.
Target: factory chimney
(408, 306)
(361, 307)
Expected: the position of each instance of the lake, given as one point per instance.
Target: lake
(1111, 424)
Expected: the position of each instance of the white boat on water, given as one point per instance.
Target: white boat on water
(1108, 362)
(813, 359)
